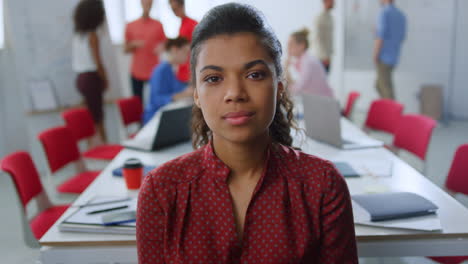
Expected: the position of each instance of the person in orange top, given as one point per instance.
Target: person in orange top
(144, 38)
(187, 26)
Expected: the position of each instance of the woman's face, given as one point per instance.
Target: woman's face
(236, 87)
(294, 48)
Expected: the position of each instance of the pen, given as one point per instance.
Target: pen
(105, 202)
(108, 209)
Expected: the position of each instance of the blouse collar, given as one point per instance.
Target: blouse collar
(219, 170)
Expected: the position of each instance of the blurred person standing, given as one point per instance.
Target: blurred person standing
(390, 34)
(91, 81)
(324, 34)
(304, 72)
(144, 38)
(187, 26)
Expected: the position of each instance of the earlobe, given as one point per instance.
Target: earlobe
(280, 90)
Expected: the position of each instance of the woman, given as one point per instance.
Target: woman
(310, 76)
(245, 195)
(92, 79)
(165, 87)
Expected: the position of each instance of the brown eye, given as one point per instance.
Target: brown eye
(258, 75)
(212, 79)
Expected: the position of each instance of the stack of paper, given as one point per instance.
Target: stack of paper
(82, 221)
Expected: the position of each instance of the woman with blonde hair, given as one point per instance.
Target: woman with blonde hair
(304, 72)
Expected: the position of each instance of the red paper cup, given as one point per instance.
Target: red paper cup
(133, 173)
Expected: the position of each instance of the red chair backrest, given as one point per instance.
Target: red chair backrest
(24, 174)
(131, 109)
(414, 133)
(457, 179)
(80, 122)
(60, 147)
(352, 97)
(384, 115)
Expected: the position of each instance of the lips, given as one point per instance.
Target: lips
(238, 118)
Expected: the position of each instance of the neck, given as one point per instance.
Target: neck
(301, 54)
(245, 160)
(173, 63)
(145, 15)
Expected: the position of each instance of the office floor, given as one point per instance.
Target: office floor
(445, 140)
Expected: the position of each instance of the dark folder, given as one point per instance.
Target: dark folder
(394, 205)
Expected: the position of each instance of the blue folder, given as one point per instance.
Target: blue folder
(146, 169)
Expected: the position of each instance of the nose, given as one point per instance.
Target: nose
(235, 91)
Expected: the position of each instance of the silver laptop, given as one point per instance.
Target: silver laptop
(322, 122)
(169, 126)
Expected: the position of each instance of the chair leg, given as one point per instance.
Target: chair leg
(28, 235)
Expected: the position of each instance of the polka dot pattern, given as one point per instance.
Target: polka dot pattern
(300, 212)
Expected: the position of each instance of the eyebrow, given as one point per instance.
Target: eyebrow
(253, 63)
(211, 67)
(246, 66)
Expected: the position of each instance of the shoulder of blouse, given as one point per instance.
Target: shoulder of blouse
(179, 170)
(304, 167)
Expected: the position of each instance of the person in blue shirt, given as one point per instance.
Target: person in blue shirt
(164, 86)
(391, 32)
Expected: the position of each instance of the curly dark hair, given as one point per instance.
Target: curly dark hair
(230, 19)
(88, 15)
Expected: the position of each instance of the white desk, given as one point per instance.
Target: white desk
(81, 248)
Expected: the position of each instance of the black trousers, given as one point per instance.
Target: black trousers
(137, 87)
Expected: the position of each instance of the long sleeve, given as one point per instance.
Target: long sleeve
(337, 225)
(311, 78)
(160, 91)
(150, 225)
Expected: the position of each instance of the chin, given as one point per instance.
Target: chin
(243, 137)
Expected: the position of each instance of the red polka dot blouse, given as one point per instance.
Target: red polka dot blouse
(300, 212)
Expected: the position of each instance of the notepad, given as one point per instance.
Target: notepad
(81, 221)
(394, 205)
(346, 170)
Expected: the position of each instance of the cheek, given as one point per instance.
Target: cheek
(208, 103)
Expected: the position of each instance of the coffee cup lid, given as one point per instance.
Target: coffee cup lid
(132, 163)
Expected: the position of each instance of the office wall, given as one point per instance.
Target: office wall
(38, 47)
(13, 127)
(427, 56)
(459, 96)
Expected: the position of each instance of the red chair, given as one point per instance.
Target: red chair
(383, 115)
(352, 97)
(80, 122)
(61, 149)
(413, 134)
(457, 181)
(131, 110)
(28, 186)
